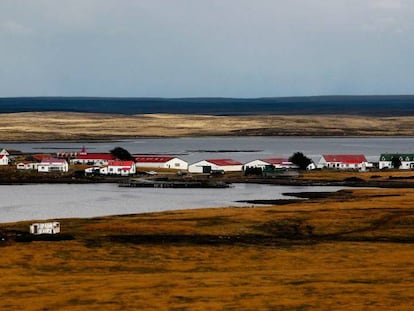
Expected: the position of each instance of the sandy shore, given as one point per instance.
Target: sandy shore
(86, 126)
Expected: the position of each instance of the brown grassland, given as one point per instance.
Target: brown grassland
(350, 251)
(74, 126)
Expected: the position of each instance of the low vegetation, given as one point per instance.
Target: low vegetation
(75, 126)
(351, 250)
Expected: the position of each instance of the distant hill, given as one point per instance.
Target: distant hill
(313, 105)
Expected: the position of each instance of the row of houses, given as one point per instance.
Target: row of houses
(106, 163)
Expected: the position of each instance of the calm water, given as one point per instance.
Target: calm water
(31, 202)
(59, 201)
(239, 148)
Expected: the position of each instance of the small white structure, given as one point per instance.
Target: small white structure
(45, 228)
(27, 165)
(211, 165)
(4, 159)
(4, 152)
(123, 168)
(407, 160)
(344, 161)
(275, 162)
(53, 165)
(161, 162)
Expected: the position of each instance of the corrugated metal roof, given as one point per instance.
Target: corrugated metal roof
(53, 160)
(152, 159)
(345, 158)
(401, 156)
(224, 162)
(120, 163)
(276, 161)
(95, 156)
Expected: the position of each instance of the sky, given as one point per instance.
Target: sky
(206, 48)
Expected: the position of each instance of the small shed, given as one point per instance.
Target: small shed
(45, 228)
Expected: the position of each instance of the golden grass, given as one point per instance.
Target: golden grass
(344, 265)
(74, 126)
(387, 175)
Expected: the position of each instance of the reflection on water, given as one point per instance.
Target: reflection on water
(29, 202)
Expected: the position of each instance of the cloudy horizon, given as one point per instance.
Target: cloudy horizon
(214, 48)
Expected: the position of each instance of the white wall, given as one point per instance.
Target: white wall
(175, 163)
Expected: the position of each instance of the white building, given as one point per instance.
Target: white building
(92, 158)
(407, 160)
(123, 168)
(275, 162)
(160, 162)
(343, 161)
(27, 165)
(45, 228)
(4, 152)
(207, 166)
(53, 165)
(4, 159)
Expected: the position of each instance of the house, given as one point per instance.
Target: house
(45, 228)
(4, 152)
(4, 159)
(407, 160)
(53, 165)
(161, 162)
(93, 158)
(275, 162)
(343, 161)
(211, 165)
(115, 167)
(27, 165)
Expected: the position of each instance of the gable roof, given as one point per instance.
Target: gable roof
(401, 156)
(95, 156)
(224, 162)
(345, 158)
(120, 163)
(41, 156)
(276, 161)
(152, 159)
(53, 160)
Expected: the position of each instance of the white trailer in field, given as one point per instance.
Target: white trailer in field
(45, 228)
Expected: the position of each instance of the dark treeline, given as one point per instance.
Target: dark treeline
(314, 105)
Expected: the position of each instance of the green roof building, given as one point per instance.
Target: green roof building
(407, 160)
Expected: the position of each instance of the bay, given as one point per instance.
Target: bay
(47, 201)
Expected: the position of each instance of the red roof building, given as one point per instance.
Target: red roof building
(120, 163)
(152, 159)
(93, 158)
(343, 161)
(224, 162)
(275, 162)
(156, 161)
(207, 166)
(96, 156)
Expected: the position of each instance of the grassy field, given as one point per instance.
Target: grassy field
(76, 126)
(350, 251)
